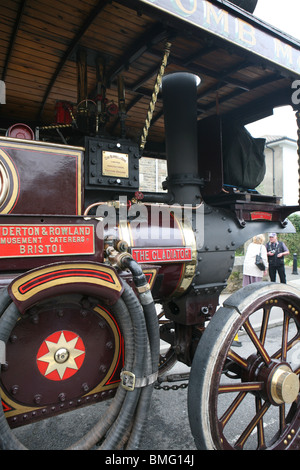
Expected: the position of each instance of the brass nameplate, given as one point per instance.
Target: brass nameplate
(115, 164)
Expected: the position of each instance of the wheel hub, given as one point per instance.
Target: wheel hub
(61, 355)
(281, 384)
(284, 385)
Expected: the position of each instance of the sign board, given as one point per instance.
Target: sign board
(216, 20)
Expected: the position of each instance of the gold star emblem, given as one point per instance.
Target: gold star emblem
(61, 355)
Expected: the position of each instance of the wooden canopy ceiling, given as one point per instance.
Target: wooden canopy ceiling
(40, 41)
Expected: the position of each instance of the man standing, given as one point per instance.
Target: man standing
(276, 252)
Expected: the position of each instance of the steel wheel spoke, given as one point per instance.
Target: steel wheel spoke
(282, 417)
(237, 359)
(264, 326)
(257, 343)
(160, 316)
(246, 387)
(290, 345)
(284, 344)
(261, 443)
(232, 408)
(254, 422)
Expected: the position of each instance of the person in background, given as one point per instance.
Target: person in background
(251, 273)
(276, 252)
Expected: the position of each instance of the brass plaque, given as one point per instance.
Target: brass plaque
(115, 164)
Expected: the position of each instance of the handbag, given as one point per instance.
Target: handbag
(259, 262)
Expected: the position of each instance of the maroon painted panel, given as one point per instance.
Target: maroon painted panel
(42, 178)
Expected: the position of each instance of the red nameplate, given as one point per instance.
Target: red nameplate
(261, 215)
(162, 255)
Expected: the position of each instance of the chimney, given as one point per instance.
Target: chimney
(179, 91)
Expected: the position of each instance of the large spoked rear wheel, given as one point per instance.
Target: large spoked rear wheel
(247, 398)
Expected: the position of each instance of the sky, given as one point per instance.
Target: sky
(284, 15)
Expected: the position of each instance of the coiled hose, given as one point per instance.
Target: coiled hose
(123, 423)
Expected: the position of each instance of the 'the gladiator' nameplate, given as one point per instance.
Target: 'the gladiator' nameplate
(162, 255)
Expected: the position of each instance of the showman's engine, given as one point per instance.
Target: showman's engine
(87, 259)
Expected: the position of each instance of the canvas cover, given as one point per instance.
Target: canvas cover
(243, 158)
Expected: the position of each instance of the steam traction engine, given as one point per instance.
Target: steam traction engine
(86, 257)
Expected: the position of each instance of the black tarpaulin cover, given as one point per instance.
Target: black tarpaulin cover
(243, 158)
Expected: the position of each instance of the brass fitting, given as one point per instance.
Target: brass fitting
(115, 257)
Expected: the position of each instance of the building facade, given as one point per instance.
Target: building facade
(281, 178)
(153, 172)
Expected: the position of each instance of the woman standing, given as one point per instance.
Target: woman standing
(251, 273)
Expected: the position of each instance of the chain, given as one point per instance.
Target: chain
(154, 95)
(170, 387)
(172, 378)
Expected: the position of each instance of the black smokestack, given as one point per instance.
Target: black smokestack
(180, 113)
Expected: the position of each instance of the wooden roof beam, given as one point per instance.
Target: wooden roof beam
(200, 69)
(13, 37)
(155, 35)
(235, 93)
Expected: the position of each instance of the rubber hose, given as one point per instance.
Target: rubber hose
(141, 415)
(145, 399)
(131, 400)
(150, 314)
(5, 300)
(7, 321)
(96, 434)
(152, 325)
(139, 277)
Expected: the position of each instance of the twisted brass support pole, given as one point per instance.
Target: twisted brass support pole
(55, 126)
(152, 104)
